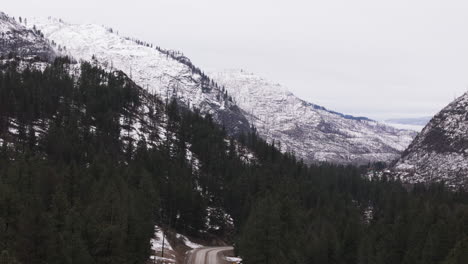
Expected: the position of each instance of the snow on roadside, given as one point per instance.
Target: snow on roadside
(157, 240)
(233, 259)
(162, 260)
(188, 243)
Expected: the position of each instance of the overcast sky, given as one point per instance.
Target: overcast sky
(381, 59)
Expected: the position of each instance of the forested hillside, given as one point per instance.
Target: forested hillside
(76, 187)
(90, 162)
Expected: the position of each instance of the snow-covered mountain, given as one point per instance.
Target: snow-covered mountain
(16, 38)
(161, 72)
(440, 151)
(311, 131)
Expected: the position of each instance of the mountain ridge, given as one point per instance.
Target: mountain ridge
(348, 139)
(422, 121)
(312, 132)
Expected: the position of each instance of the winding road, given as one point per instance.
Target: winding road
(208, 255)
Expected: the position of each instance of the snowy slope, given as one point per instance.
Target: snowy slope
(310, 131)
(161, 72)
(440, 151)
(16, 38)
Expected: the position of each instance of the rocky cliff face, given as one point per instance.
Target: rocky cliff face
(440, 152)
(312, 132)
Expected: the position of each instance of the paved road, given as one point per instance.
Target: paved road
(208, 255)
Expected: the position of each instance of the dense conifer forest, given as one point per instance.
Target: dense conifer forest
(75, 187)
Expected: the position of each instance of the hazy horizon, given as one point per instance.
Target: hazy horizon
(379, 60)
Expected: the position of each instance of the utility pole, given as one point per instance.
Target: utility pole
(162, 250)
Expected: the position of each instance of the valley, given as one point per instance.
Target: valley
(115, 150)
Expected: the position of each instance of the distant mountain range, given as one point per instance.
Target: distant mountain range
(416, 124)
(419, 121)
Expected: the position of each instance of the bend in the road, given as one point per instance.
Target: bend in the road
(208, 255)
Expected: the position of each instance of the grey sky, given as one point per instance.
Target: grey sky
(381, 59)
